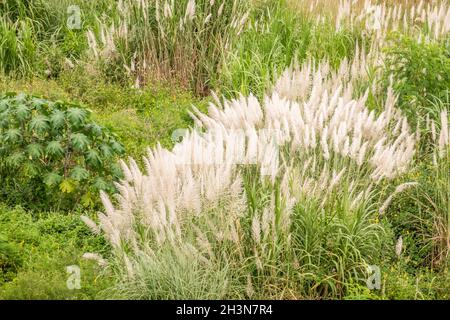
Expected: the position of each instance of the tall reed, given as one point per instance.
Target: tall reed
(178, 41)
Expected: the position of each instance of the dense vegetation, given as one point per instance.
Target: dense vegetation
(50, 148)
(234, 149)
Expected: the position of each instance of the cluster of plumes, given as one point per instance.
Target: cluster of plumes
(166, 195)
(297, 81)
(429, 20)
(329, 120)
(309, 133)
(379, 18)
(323, 112)
(104, 46)
(155, 207)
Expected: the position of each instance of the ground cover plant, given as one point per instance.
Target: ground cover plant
(207, 149)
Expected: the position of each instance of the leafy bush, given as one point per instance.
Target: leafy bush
(9, 259)
(424, 214)
(51, 153)
(421, 75)
(17, 46)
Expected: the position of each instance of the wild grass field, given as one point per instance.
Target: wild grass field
(224, 149)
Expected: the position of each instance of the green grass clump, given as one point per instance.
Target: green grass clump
(57, 155)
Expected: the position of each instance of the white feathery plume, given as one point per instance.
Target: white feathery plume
(91, 224)
(256, 229)
(399, 246)
(97, 258)
(444, 141)
(190, 10)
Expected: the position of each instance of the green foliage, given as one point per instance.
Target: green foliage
(276, 37)
(36, 249)
(422, 284)
(421, 75)
(10, 259)
(17, 46)
(51, 153)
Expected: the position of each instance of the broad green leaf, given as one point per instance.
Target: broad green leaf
(79, 173)
(93, 158)
(13, 136)
(4, 119)
(38, 102)
(79, 141)
(116, 171)
(94, 129)
(54, 149)
(76, 116)
(106, 150)
(57, 119)
(20, 98)
(117, 147)
(101, 184)
(39, 123)
(22, 112)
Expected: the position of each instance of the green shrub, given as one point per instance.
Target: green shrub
(39, 246)
(422, 284)
(51, 153)
(421, 75)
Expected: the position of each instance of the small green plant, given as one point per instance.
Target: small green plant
(52, 153)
